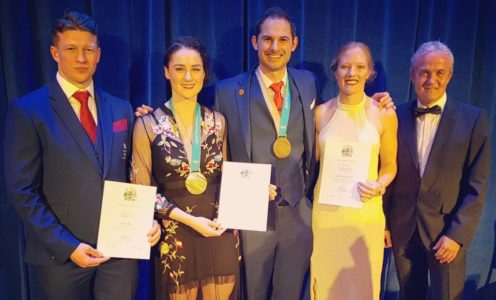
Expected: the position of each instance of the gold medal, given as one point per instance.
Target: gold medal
(281, 147)
(196, 183)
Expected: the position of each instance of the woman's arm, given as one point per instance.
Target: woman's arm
(389, 148)
(387, 155)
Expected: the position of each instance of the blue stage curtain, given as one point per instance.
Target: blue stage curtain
(134, 34)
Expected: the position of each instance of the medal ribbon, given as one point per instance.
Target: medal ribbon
(196, 140)
(286, 106)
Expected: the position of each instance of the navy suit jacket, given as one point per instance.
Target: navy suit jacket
(53, 174)
(448, 199)
(232, 99)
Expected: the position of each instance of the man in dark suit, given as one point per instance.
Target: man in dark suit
(434, 204)
(254, 107)
(61, 142)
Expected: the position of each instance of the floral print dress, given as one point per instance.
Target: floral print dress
(184, 259)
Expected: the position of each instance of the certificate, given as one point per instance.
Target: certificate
(126, 218)
(344, 165)
(244, 196)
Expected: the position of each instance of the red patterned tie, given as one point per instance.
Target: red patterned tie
(276, 87)
(85, 115)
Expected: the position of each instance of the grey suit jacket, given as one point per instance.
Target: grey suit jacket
(232, 99)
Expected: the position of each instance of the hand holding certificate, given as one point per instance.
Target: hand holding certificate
(126, 218)
(345, 164)
(244, 196)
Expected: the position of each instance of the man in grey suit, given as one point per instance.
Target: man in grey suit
(270, 120)
(434, 204)
(62, 142)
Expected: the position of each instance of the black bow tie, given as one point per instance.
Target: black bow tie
(436, 109)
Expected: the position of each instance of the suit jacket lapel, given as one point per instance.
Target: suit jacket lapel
(410, 132)
(307, 115)
(247, 85)
(443, 133)
(105, 122)
(66, 114)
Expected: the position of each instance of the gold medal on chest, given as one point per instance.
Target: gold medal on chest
(196, 183)
(281, 147)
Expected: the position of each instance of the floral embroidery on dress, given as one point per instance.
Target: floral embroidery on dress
(169, 251)
(211, 124)
(162, 204)
(165, 126)
(167, 133)
(171, 246)
(168, 141)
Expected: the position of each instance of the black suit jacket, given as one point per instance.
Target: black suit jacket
(448, 199)
(53, 174)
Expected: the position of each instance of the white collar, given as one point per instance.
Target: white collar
(69, 89)
(441, 102)
(266, 80)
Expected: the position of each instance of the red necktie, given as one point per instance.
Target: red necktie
(276, 87)
(85, 115)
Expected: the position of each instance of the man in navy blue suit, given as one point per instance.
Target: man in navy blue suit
(61, 142)
(434, 204)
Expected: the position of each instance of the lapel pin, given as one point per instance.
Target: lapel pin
(241, 92)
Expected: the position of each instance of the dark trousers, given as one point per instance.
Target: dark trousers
(415, 264)
(278, 259)
(114, 279)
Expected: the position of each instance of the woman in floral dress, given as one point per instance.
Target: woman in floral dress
(179, 147)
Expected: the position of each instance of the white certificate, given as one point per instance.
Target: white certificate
(344, 165)
(244, 196)
(126, 218)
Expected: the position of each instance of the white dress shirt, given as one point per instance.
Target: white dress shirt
(69, 89)
(268, 94)
(427, 125)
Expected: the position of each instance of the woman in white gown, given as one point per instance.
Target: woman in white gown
(349, 242)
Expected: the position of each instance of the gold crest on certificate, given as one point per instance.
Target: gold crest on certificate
(126, 217)
(244, 196)
(346, 163)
